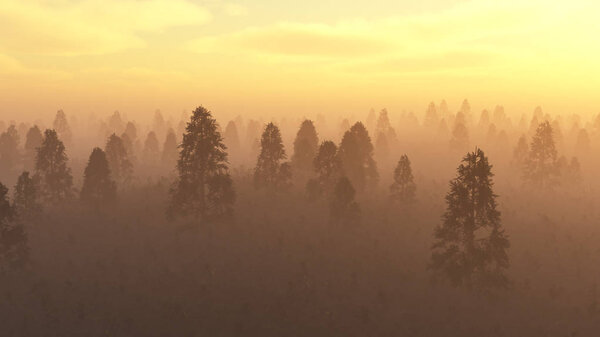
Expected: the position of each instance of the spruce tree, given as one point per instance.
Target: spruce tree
(26, 203)
(120, 166)
(328, 168)
(470, 246)
(343, 209)
(540, 166)
(305, 147)
(204, 189)
(33, 141)
(98, 190)
(403, 188)
(170, 152)
(51, 170)
(14, 251)
(61, 126)
(271, 172)
(9, 151)
(356, 154)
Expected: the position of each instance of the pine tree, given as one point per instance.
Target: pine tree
(9, 151)
(521, 152)
(470, 245)
(32, 142)
(115, 123)
(14, 251)
(460, 133)
(328, 168)
(540, 166)
(131, 131)
(403, 188)
(343, 209)
(305, 147)
(120, 166)
(26, 203)
(151, 149)
(431, 118)
(170, 152)
(232, 137)
(61, 126)
(98, 190)
(271, 172)
(356, 154)
(51, 171)
(204, 189)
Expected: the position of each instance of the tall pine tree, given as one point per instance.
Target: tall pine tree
(356, 154)
(271, 172)
(305, 147)
(120, 166)
(470, 246)
(51, 170)
(403, 188)
(204, 189)
(540, 167)
(98, 190)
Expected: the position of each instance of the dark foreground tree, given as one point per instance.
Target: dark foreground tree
(98, 190)
(305, 147)
(342, 208)
(271, 172)
(14, 251)
(540, 167)
(120, 166)
(51, 171)
(328, 167)
(356, 154)
(403, 188)
(26, 202)
(470, 245)
(204, 189)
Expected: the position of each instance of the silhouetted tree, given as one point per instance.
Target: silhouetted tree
(61, 126)
(328, 167)
(204, 189)
(403, 188)
(170, 153)
(540, 166)
(98, 190)
(32, 142)
(431, 119)
(131, 131)
(151, 148)
(14, 251)
(120, 166)
(51, 171)
(521, 152)
(9, 150)
(270, 171)
(343, 208)
(26, 203)
(470, 245)
(232, 137)
(305, 147)
(356, 154)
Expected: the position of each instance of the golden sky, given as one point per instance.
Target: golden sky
(278, 57)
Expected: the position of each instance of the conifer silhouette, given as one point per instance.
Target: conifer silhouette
(120, 166)
(470, 245)
(33, 141)
(9, 151)
(14, 251)
(271, 172)
(431, 118)
(403, 188)
(151, 153)
(328, 168)
(61, 126)
(170, 152)
(356, 154)
(26, 201)
(305, 147)
(540, 166)
(232, 137)
(98, 190)
(51, 170)
(343, 208)
(204, 189)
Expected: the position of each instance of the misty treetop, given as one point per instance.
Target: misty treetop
(470, 246)
(271, 172)
(51, 170)
(204, 188)
(99, 189)
(356, 155)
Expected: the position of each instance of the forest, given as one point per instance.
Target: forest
(450, 221)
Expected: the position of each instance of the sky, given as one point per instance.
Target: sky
(291, 58)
